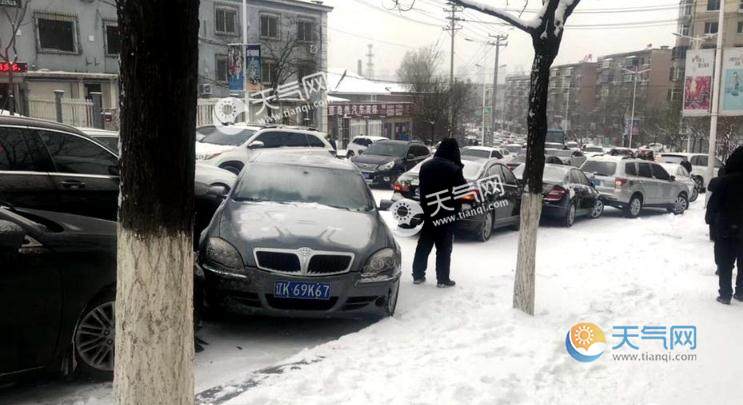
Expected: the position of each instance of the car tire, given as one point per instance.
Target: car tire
(569, 219)
(485, 230)
(699, 182)
(233, 168)
(391, 303)
(349, 154)
(94, 338)
(694, 195)
(598, 209)
(634, 207)
(681, 205)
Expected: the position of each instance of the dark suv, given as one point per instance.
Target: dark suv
(55, 167)
(384, 161)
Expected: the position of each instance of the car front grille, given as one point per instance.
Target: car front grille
(303, 261)
(367, 167)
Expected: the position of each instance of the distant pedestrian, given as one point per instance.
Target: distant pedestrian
(438, 177)
(725, 210)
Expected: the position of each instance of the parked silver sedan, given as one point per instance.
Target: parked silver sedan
(633, 184)
(300, 236)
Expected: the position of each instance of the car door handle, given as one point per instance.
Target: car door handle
(72, 184)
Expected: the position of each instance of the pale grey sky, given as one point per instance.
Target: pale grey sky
(355, 23)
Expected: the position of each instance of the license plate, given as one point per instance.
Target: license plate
(301, 290)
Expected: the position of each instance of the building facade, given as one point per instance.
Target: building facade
(516, 102)
(572, 98)
(73, 46)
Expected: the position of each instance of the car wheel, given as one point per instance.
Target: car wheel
(569, 219)
(486, 228)
(349, 154)
(391, 304)
(694, 194)
(681, 204)
(699, 182)
(94, 338)
(598, 209)
(634, 207)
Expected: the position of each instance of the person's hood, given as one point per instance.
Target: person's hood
(367, 159)
(250, 225)
(734, 163)
(449, 150)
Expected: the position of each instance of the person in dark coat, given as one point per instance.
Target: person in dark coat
(725, 210)
(438, 177)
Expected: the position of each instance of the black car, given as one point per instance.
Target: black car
(384, 161)
(567, 194)
(491, 208)
(57, 291)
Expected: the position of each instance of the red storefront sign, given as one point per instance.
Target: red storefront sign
(13, 67)
(371, 110)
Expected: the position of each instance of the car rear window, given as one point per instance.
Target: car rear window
(599, 168)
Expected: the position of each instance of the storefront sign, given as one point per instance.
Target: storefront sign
(371, 110)
(698, 82)
(13, 67)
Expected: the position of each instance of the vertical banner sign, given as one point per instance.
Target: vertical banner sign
(235, 74)
(253, 67)
(698, 82)
(732, 85)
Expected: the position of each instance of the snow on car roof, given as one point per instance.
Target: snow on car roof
(302, 157)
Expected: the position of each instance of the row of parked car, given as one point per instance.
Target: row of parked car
(295, 232)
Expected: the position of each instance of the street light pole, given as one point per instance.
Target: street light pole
(500, 41)
(634, 73)
(484, 90)
(712, 153)
(246, 94)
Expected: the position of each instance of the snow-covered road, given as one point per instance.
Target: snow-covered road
(466, 345)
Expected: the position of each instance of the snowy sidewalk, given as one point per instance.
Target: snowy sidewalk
(467, 346)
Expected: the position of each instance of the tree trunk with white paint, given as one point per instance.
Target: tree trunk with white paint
(154, 304)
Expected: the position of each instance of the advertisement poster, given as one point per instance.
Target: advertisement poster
(235, 73)
(253, 64)
(698, 82)
(732, 84)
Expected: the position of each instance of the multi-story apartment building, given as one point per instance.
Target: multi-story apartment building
(572, 97)
(615, 87)
(516, 101)
(73, 46)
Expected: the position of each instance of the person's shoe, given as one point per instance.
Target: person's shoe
(724, 301)
(446, 284)
(419, 281)
(738, 296)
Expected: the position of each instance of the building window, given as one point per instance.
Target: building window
(713, 5)
(268, 72)
(56, 33)
(684, 29)
(225, 20)
(269, 26)
(113, 39)
(220, 68)
(305, 31)
(305, 69)
(740, 27)
(710, 28)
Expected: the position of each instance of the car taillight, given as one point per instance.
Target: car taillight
(620, 182)
(401, 187)
(556, 194)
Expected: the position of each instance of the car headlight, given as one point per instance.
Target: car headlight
(385, 261)
(221, 255)
(387, 166)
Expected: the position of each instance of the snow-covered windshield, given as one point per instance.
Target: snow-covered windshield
(599, 168)
(220, 138)
(298, 184)
(471, 169)
(552, 174)
(383, 148)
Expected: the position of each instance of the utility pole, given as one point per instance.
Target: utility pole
(246, 93)
(634, 73)
(484, 91)
(567, 110)
(500, 41)
(712, 154)
(452, 27)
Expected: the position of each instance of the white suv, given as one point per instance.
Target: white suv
(230, 147)
(359, 144)
(698, 164)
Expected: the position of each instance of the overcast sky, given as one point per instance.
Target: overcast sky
(354, 24)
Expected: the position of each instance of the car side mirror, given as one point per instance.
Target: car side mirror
(217, 192)
(672, 178)
(385, 205)
(410, 156)
(256, 145)
(11, 238)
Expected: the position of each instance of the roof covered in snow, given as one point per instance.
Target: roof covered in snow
(353, 83)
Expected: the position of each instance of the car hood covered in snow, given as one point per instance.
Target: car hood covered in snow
(205, 149)
(250, 225)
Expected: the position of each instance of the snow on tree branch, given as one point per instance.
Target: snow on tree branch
(558, 10)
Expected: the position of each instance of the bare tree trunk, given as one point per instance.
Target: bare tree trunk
(154, 315)
(531, 203)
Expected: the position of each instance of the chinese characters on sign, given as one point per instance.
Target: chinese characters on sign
(373, 109)
(478, 191)
(732, 85)
(13, 67)
(670, 338)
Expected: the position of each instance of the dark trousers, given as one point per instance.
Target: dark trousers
(443, 238)
(727, 251)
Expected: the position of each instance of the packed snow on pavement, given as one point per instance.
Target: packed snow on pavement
(466, 345)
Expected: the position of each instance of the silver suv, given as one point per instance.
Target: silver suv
(633, 184)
